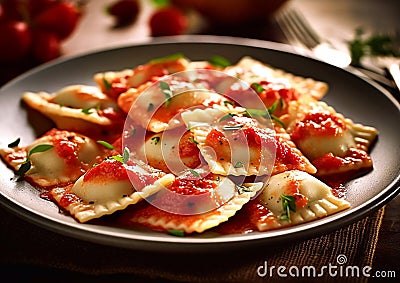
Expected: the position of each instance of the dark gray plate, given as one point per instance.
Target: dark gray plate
(352, 96)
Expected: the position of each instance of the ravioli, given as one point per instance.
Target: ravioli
(253, 71)
(327, 137)
(158, 219)
(313, 199)
(171, 151)
(77, 108)
(240, 145)
(108, 187)
(69, 157)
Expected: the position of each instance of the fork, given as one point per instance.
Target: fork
(302, 36)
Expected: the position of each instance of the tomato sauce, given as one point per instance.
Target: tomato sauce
(106, 171)
(318, 124)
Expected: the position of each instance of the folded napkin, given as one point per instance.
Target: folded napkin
(47, 255)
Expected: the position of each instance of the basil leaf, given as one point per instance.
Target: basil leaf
(106, 83)
(219, 61)
(257, 87)
(156, 140)
(14, 143)
(106, 144)
(226, 117)
(168, 58)
(194, 173)
(118, 158)
(238, 165)
(178, 233)
(40, 148)
(24, 168)
(126, 155)
(166, 90)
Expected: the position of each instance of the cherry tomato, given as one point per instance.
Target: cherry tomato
(61, 18)
(46, 46)
(35, 7)
(124, 11)
(168, 21)
(15, 40)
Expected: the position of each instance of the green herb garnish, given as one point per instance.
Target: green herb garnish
(243, 189)
(88, 110)
(233, 128)
(175, 232)
(126, 155)
(27, 163)
(288, 205)
(168, 58)
(373, 45)
(166, 90)
(106, 83)
(193, 140)
(219, 61)
(226, 117)
(106, 144)
(194, 173)
(238, 165)
(14, 143)
(155, 140)
(257, 87)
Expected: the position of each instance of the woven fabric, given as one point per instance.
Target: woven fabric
(25, 244)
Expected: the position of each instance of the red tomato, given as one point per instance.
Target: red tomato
(37, 6)
(15, 40)
(124, 11)
(168, 21)
(46, 46)
(61, 18)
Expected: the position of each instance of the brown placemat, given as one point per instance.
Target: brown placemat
(25, 244)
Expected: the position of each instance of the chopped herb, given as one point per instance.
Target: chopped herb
(133, 131)
(226, 117)
(273, 106)
(232, 128)
(166, 90)
(238, 164)
(40, 148)
(118, 158)
(374, 45)
(175, 232)
(24, 167)
(150, 107)
(288, 205)
(257, 87)
(106, 83)
(106, 144)
(227, 102)
(27, 163)
(243, 189)
(14, 143)
(194, 173)
(168, 58)
(87, 110)
(155, 139)
(276, 119)
(193, 140)
(219, 61)
(256, 112)
(126, 155)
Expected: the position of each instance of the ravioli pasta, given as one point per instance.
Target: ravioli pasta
(182, 152)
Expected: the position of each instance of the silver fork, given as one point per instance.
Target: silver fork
(302, 35)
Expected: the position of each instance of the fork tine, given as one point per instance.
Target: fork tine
(296, 28)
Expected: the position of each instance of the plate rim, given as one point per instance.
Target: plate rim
(329, 223)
